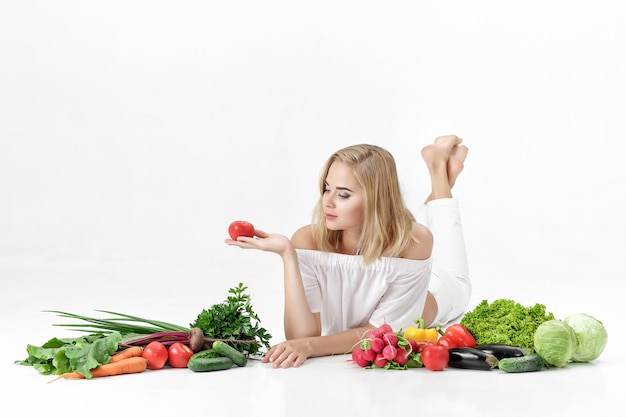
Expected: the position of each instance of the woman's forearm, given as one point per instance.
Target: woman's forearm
(298, 320)
(338, 343)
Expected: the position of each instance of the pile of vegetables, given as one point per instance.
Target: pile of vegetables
(232, 322)
(579, 337)
(502, 334)
(434, 349)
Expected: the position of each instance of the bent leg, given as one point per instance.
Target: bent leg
(450, 287)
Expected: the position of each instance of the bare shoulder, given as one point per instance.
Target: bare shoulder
(303, 238)
(422, 247)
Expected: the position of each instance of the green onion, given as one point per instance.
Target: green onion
(123, 323)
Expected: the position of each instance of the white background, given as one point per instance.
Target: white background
(133, 132)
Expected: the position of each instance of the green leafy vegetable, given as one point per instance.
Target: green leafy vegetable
(234, 319)
(591, 335)
(81, 354)
(505, 322)
(555, 342)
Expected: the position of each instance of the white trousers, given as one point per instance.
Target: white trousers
(449, 284)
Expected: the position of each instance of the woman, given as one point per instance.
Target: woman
(366, 260)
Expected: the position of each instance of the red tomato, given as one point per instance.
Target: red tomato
(156, 354)
(240, 228)
(178, 355)
(435, 357)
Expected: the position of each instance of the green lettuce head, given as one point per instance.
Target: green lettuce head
(590, 334)
(555, 342)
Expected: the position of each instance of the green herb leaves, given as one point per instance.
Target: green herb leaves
(234, 319)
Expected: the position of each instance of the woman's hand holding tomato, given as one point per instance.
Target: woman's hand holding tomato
(264, 241)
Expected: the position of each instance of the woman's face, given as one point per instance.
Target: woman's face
(342, 199)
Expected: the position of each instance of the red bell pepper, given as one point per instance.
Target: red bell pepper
(456, 335)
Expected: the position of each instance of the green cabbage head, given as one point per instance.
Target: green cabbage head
(591, 335)
(555, 341)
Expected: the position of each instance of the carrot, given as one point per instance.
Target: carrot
(131, 365)
(127, 353)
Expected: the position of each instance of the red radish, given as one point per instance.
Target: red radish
(385, 328)
(391, 339)
(413, 344)
(375, 333)
(390, 352)
(380, 360)
(377, 344)
(357, 357)
(368, 355)
(402, 356)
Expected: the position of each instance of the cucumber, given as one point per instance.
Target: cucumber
(206, 353)
(227, 350)
(207, 364)
(527, 363)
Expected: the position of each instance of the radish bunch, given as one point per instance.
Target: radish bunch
(386, 349)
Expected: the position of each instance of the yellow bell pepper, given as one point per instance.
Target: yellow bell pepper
(420, 333)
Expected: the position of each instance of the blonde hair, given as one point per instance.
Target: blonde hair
(387, 223)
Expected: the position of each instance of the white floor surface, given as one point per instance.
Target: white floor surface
(322, 386)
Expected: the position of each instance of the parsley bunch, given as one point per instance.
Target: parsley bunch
(234, 319)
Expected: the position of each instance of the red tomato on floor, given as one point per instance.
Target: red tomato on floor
(240, 228)
(435, 357)
(178, 355)
(156, 354)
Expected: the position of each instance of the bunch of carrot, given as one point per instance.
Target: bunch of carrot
(127, 361)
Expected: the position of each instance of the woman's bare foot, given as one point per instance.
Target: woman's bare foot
(437, 157)
(455, 163)
(438, 154)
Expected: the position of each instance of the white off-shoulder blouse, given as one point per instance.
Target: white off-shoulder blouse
(348, 294)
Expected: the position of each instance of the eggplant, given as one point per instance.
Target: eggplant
(471, 358)
(502, 351)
